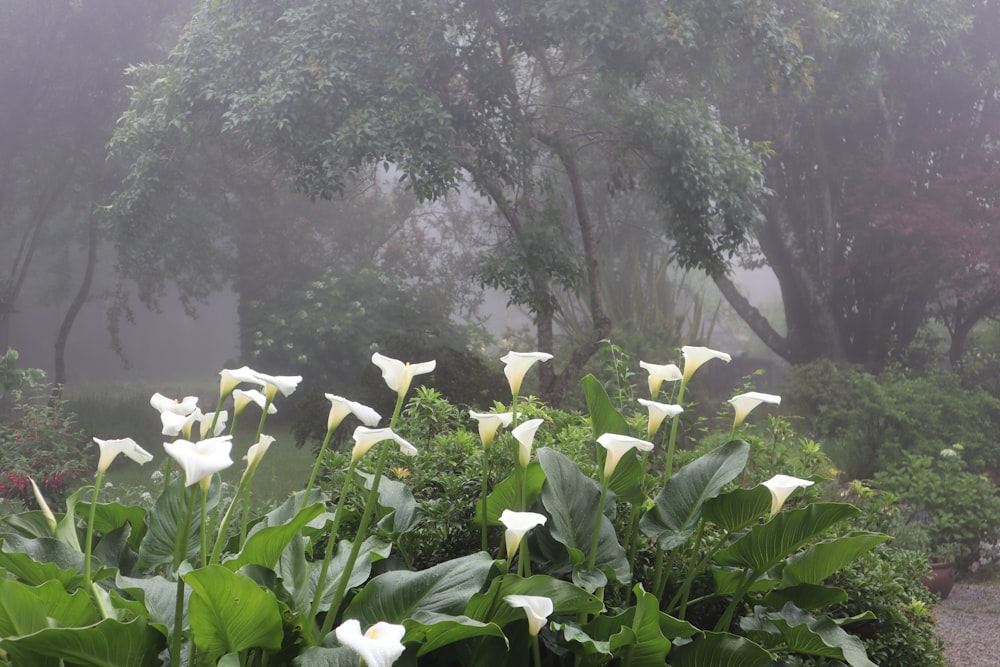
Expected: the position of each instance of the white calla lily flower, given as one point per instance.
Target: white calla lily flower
(516, 364)
(256, 452)
(517, 525)
(617, 446)
(658, 374)
(273, 384)
(365, 438)
(490, 423)
(398, 374)
(744, 403)
(340, 407)
(781, 486)
(127, 446)
(380, 646)
(694, 357)
(537, 608)
(244, 397)
(174, 415)
(657, 413)
(200, 460)
(205, 423)
(525, 435)
(50, 518)
(230, 379)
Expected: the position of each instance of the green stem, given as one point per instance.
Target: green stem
(204, 526)
(89, 548)
(596, 537)
(536, 654)
(668, 466)
(316, 465)
(224, 525)
(727, 616)
(484, 494)
(331, 544)
(658, 584)
(370, 502)
(215, 418)
(180, 551)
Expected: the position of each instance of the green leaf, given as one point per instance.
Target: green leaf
(111, 516)
(801, 633)
(166, 518)
(22, 611)
(36, 561)
(158, 596)
(114, 551)
(29, 524)
(720, 649)
(397, 595)
(431, 630)
(265, 546)
(506, 494)
(678, 506)
(229, 613)
(110, 643)
(571, 499)
(567, 599)
(398, 498)
(729, 579)
(823, 559)
(768, 543)
(316, 656)
(604, 418)
(372, 549)
(735, 510)
(805, 596)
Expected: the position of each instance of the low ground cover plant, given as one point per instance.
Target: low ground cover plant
(594, 545)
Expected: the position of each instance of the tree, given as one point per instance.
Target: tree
(62, 74)
(520, 98)
(884, 178)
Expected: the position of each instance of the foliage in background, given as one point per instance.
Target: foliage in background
(870, 422)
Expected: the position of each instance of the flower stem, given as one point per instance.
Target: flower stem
(484, 494)
(331, 543)
(668, 466)
(316, 465)
(204, 525)
(89, 548)
(180, 551)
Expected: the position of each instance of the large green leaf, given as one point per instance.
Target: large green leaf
(805, 596)
(431, 630)
(798, 632)
(372, 549)
(735, 510)
(265, 546)
(29, 524)
(398, 499)
(229, 613)
(35, 561)
(768, 543)
(158, 596)
(398, 595)
(506, 494)
(114, 550)
(110, 643)
(824, 558)
(22, 610)
(604, 418)
(316, 656)
(567, 599)
(167, 517)
(111, 516)
(678, 506)
(571, 499)
(720, 649)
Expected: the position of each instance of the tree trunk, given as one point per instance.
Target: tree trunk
(82, 294)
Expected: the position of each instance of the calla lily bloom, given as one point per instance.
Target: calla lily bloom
(244, 397)
(657, 413)
(380, 646)
(174, 424)
(50, 518)
(397, 374)
(256, 452)
(490, 423)
(694, 357)
(517, 525)
(205, 423)
(744, 403)
(201, 460)
(286, 384)
(517, 364)
(127, 446)
(365, 438)
(525, 436)
(341, 407)
(617, 446)
(230, 379)
(537, 608)
(174, 414)
(781, 486)
(660, 373)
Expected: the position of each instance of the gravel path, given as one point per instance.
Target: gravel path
(968, 623)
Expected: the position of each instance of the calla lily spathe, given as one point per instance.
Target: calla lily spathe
(380, 646)
(617, 446)
(658, 374)
(273, 384)
(365, 438)
(744, 403)
(256, 452)
(50, 518)
(525, 436)
(398, 374)
(517, 525)
(244, 397)
(174, 415)
(340, 407)
(694, 357)
(657, 413)
(781, 486)
(201, 460)
(490, 423)
(516, 364)
(537, 608)
(127, 446)
(230, 379)
(205, 423)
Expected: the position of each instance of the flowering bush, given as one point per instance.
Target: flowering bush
(39, 439)
(625, 558)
